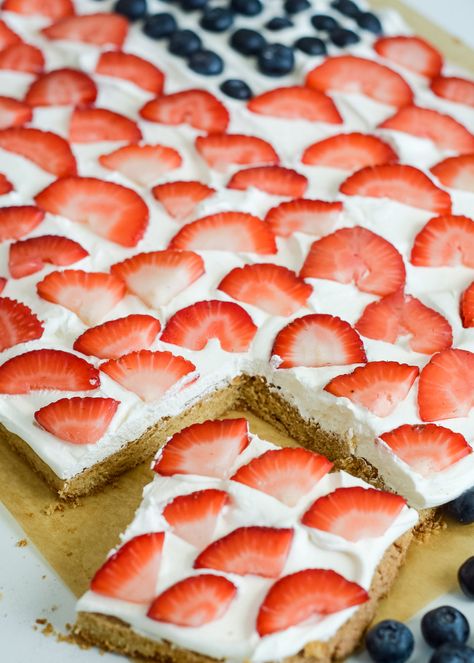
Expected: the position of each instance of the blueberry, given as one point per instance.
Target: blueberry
(390, 641)
(342, 37)
(346, 7)
(278, 23)
(276, 60)
(206, 62)
(247, 7)
(444, 624)
(466, 577)
(159, 26)
(190, 5)
(324, 22)
(462, 508)
(248, 42)
(370, 22)
(311, 45)
(216, 19)
(236, 89)
(184, 43)
(452, 653)
(132, 9)
(296, 6)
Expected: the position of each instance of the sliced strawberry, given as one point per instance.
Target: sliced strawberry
(427, 448)
(143, 164)
(90, 295)
(296, 103)
(260, 551)
(347, 73)
(354, 513)
(286, 474)
(198, 108)
(452, 88)
(5, 185)
(404, 184)
(119, 337)
(192, 327)
(193, 517)
(397, 315)
(131, 573)
(411, 52)
(13, 113)
(111, 210)
(131, 68)
(272, 288)
(22, 57)
(194, 601)
(356, 255)
(444, 131)
(49, 8)
(446, 389)
(180, 199)
(275, 180)
(445, 241)
(91, 125)
(226, 231)
(78, 420)
(307, 594)
(456, 172)
(29, 256)
(313, 217)
(467, 306)
(222, 150)
(47, 369)
(157, 277)
(7, 36)
(62, 87)
(378, 386)
(148, 374)
(45, 149)
(18, 324)
(349, 152)
(207, 449)
(16, 222)
(100, 29)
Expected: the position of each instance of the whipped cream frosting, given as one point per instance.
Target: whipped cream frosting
(438, 288)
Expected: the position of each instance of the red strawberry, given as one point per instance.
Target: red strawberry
(22, 57)
(3, 283)
(91, 125)
(452, 88)
(13, 113)
(444, 131)
(29, 256)
(207, 449)
(49, 8)
(198, 108)
(143, 164)
(5, 185)
(356, 255)
(404, 184)
(157, 277)
(111, 210)
(131, 573)
(194, 601)
(148, 374)
(354, 513)
(193, 517)
(47, 369)
(347, 73)
(226, 231)
(467, 306)
(222, 150)
(90, 295)
(62, 87)
(100, 29)
(312, 593)
(275, 180)
(77, 420)
(15, 222)
(313, 217)
(446, 389)
(275, 289)
(45, 149)
(7, 36)
(318, 340)
(131, 68)
(296, 103)
(349, 152)
(180, 199)
(398, 315)
(456, 172)
(444, 241)
(427, 448)
(18, 324)
(413, 53)
(118, 337)
(260, 551)
(286, 474)
(378, 386)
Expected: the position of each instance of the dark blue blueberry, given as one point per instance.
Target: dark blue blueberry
(236, 89)
(247, 7)
(370, 22)
(276, 60)
(451, 653)
(466, 577)
(159, 26)
(389, 641)
(278, 23)
(462, 508)
(296, 6)
(311, 45)
(248, 42)
(216, 19)
(184, 43)
(190, 5)
(444, 624)
(206, 62)
(346, 7)
(324, 22)
(132, 9)
(342, 37)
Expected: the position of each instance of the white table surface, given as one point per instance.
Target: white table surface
(30, 589)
